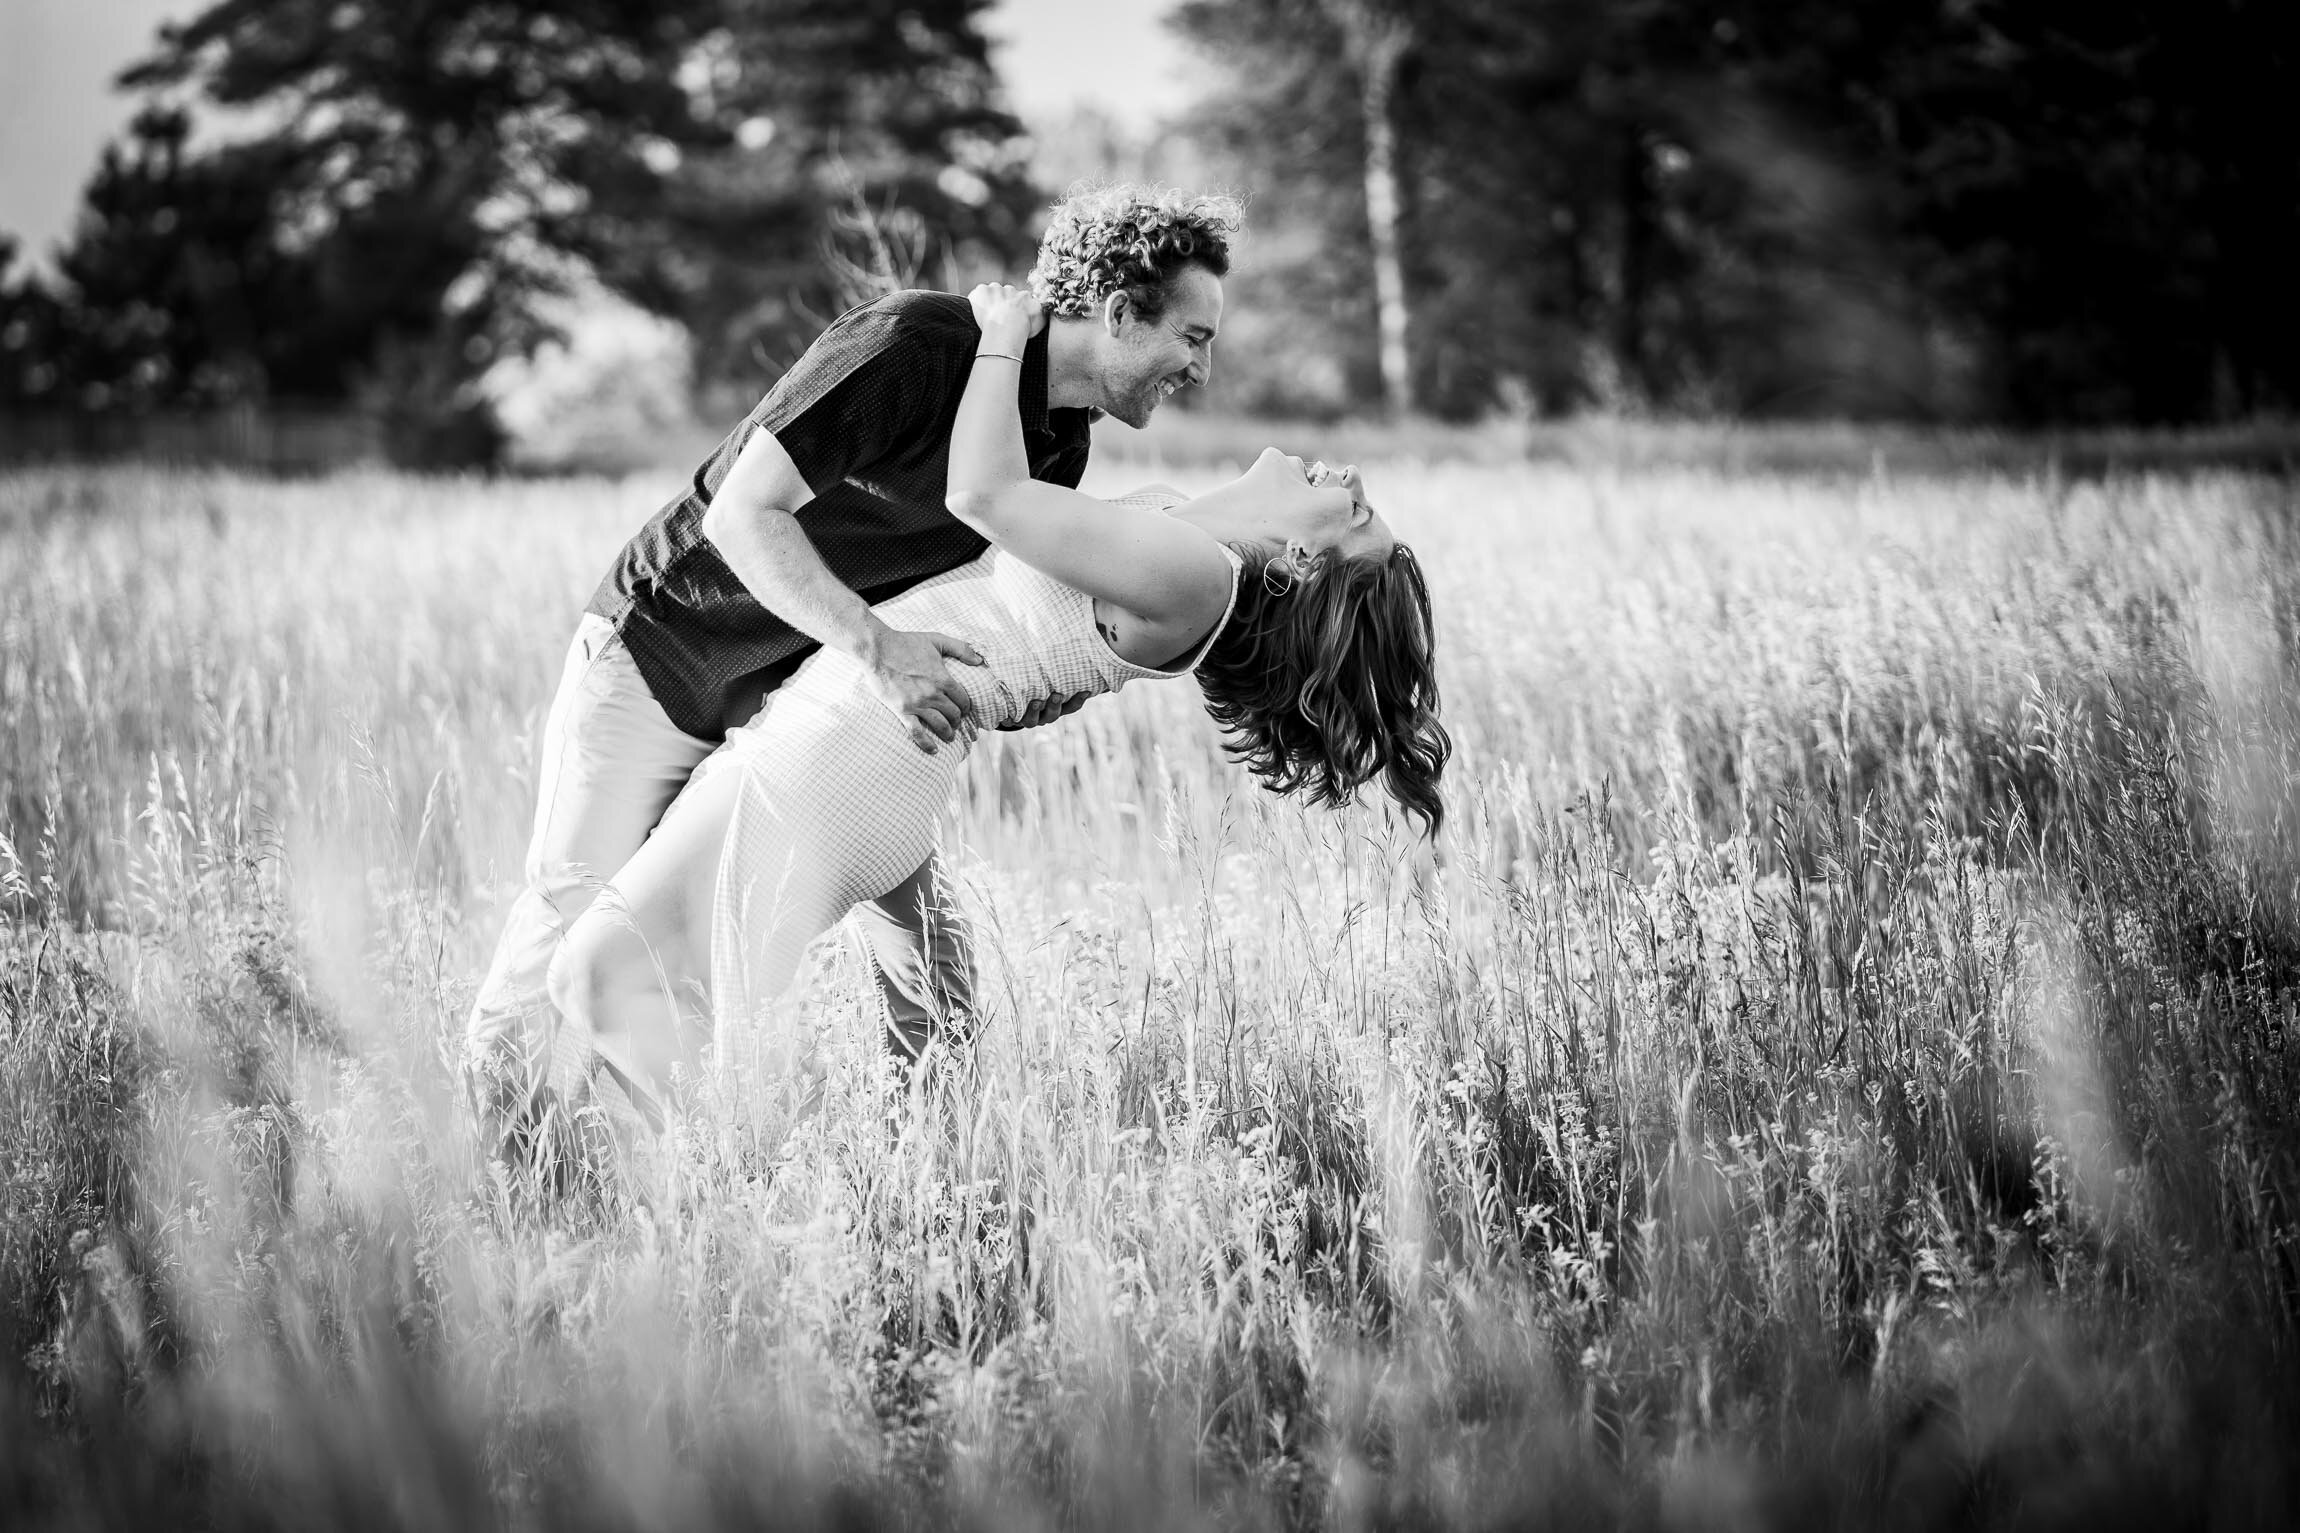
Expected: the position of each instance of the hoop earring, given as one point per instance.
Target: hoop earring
(1277, 575)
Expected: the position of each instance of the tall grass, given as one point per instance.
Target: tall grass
(1840, 1069)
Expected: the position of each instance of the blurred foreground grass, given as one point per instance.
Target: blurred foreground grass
(1841, 1071)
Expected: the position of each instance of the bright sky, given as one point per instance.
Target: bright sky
(58, 57)
(1116, 54)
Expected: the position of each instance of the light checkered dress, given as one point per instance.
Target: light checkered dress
(838, 806)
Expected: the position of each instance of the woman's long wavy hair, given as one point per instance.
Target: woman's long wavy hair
(1325, 678)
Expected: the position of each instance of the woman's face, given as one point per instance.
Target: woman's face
(1282, 500)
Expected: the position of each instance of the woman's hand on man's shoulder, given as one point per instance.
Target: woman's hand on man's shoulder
(1009, 315)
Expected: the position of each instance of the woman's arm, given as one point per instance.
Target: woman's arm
(1160, 570)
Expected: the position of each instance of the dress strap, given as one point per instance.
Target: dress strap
(1237, 569)
(1151, 497)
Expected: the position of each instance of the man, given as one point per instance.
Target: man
(828, 497)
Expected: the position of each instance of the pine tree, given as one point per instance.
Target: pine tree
(425, 171)
(887, 109)
(2072, 210)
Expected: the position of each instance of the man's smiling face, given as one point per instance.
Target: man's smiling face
(1148, 357)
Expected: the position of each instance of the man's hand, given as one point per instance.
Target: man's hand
(1048, 709)
(907, 673)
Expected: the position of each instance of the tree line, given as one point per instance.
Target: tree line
(403, 181)
(2043, 211)
(2034, 211)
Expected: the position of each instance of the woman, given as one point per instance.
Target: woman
(1303, 618)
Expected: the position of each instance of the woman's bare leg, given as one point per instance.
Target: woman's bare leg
(634, 969)
(802, 815)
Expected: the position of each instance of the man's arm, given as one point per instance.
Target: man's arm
(749, 522)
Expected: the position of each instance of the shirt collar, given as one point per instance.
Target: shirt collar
(1031, 393)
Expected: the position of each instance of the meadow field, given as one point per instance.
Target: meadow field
(1839, 1069)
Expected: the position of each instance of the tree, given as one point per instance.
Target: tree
(1375, 40)
(692, 151)
(164, 286)
(29, 324)
(426, 159)
(2056, 211)
(828, 106)
(1282, 117)
(2110, 191)
(426, 170)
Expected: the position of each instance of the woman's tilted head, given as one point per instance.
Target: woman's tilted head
(1281, 500)
(1325, 676)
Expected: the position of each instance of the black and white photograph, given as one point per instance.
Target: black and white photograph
(1149, 765)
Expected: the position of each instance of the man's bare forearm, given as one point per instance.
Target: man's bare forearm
(750, 521)
(770, 553)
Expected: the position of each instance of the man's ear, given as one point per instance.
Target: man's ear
(1116, 306)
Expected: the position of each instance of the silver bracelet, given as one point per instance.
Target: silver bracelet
(1003, 356)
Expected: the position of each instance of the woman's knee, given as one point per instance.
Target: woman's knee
(602, 963)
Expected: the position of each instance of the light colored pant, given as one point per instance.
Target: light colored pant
(611, 764)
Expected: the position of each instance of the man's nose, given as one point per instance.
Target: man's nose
(1202, 365)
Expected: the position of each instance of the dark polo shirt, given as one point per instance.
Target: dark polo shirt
(866, 416)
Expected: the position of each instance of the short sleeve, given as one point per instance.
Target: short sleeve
(867, 388)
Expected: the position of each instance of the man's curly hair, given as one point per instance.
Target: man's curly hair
(1131, 239)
